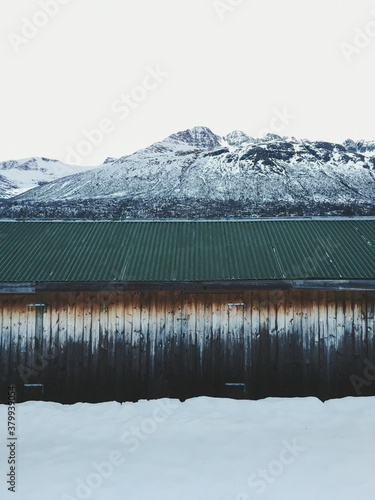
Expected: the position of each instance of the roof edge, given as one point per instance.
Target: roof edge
(238, 219)
(149, 286)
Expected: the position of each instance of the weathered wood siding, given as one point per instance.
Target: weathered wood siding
(100, 346)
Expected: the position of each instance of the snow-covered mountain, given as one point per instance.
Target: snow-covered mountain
(18, 176)
(196, 173)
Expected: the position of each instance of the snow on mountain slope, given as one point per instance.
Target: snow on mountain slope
(364, 147)
(192, 165)
(22, 175)
(197, 167)
(7, 187)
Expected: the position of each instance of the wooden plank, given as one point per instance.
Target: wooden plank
(348, 345)
(117, 345)
(314, 343)
(281, 341)
(28, 330)
(126, 386)
(168, 342)
(231, 345)
(255, 343)
(136, 339)
(54, 326)
(71, 349)
(235, 357)
(340, 342)
(211, 346)
(22, 334)
(11, 345)
(104, 339)
(3, 337)
(121, 346)
(240, 340)
(13, 341)
(364, 350)
(152, 342)
(221, 310)
(15, 336)
(60, 359)
(87, 389)
(298, 342)
(112, 310)
(7, 335)
(370, 298)
(94, 346)
(78, 344)
(247, 341)
(272, 319)
(177, 342)
(160, 374)
(323, 343)
(189, 328)
(111, 381)
(15, 361)
(297, 331)
(52, 332)
(357, 332)
(182, 352)
(200, 327)
(306, 307)
(273, 340)
(102, 361)
(144, 339)
(46, 321)
(289, 354)
(22, 308)
(264, 317)
(332, 341)
(30, 346)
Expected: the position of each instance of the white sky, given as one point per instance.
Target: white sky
(261, 58)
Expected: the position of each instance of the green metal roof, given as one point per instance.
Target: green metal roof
(186, 251)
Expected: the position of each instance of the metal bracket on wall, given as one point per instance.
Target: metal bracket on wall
(38, 305)
(35, 385)
(236, 384)
(237, 304)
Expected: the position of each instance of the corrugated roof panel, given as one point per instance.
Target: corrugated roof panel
(351, 255)
(300, 250)
(366, 231)
(260, 260)
(187, 251)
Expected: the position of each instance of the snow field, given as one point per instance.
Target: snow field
(201, 449)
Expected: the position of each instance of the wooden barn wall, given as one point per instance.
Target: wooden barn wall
(126, 346)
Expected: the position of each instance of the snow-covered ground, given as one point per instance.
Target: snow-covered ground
(202, 449)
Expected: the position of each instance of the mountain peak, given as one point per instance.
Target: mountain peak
(198, 137)
(237, 137)
(273, 137)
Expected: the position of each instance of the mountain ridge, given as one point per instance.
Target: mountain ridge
(238, 175)
(25, 174)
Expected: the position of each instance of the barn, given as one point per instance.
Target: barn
(96, 310)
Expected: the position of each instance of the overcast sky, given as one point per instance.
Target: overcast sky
(141, 70)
